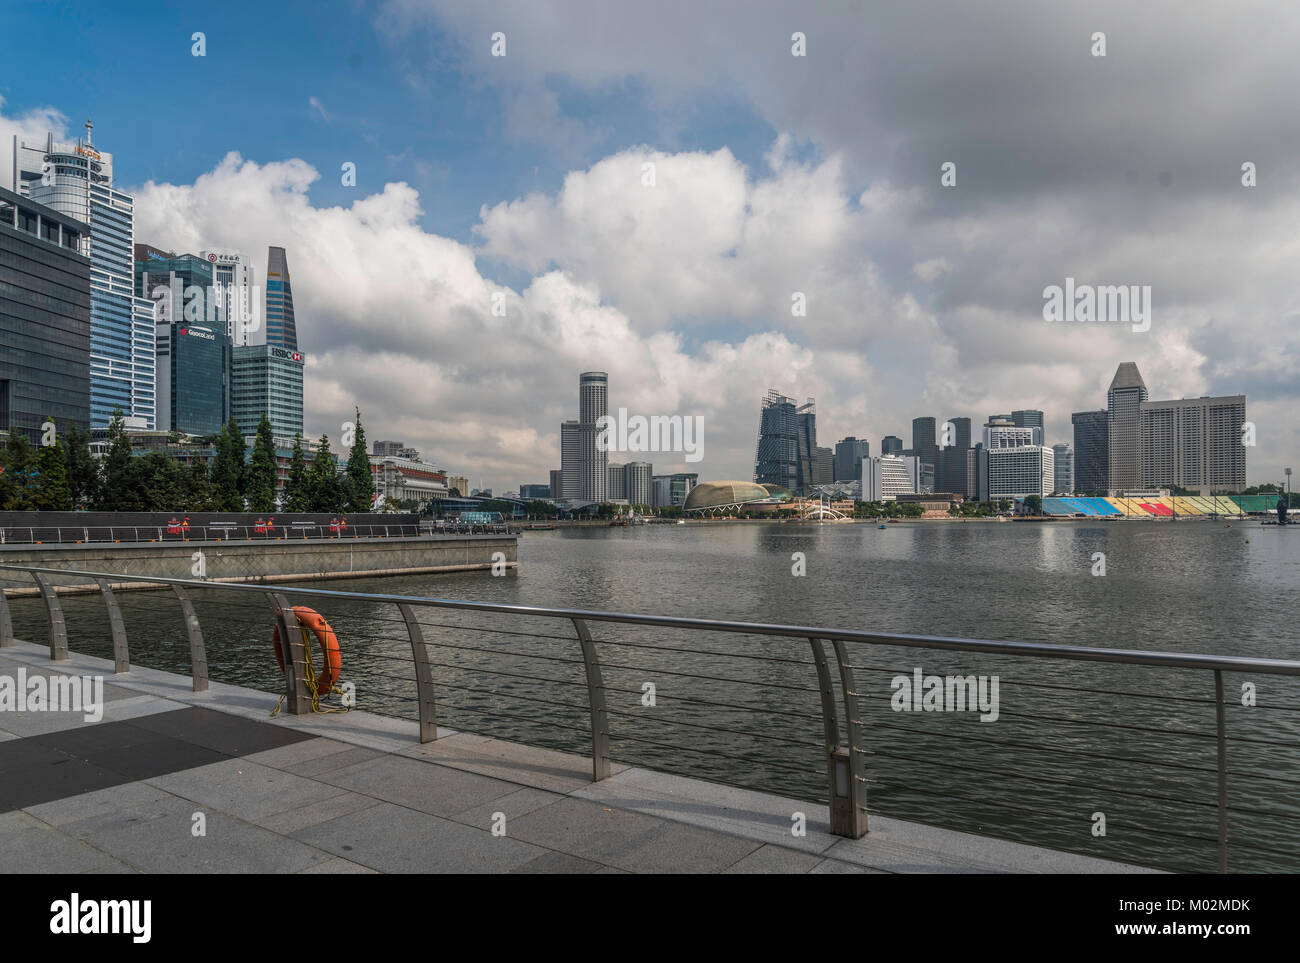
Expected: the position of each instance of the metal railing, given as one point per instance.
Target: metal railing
(844, 738)
(78, 535)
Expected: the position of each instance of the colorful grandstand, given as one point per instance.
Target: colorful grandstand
(1164, 507)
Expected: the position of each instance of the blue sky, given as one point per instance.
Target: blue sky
(400, 108)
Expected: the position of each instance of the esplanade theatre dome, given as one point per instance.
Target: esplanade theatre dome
(720, 494)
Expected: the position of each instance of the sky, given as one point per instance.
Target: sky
(653, 190)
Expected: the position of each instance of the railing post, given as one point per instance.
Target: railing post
(423, 675)
(6, 623)
(596, 701)
(198, 656)
(121, 656)
(857, 770)
(844, 770)
(298, 701)
(1223, 771)
(54, 612)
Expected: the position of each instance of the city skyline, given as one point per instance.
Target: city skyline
(690, 307)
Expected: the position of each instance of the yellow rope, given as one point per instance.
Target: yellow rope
(316, 694)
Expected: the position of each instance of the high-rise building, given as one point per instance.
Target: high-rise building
(1029, 418)
(638, 484)
(849, 453)
(951, 471)
(669, 490)
(1091, 451)
(891, 445)
(267, 379)
(77, 180)
(925, 445)
(787, 442)
(1002, 433)
(887, 477)
(1194, 443)
(192, 361)
(823, 466)
(977, 473)
(1063, 468)
(593, 404)
(44, 318)
(570, 460)
(281, 324)
(1124, 427)
(557, 483)
(616, 489)
(232, 282)
(1020, 472)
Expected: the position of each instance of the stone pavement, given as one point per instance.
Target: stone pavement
(357, 793)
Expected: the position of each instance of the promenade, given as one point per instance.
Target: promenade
(358, 793)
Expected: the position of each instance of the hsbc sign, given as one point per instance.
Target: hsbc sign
(285, 354)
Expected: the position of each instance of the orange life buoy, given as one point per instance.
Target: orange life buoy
(315, 622)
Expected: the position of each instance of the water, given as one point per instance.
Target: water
(1072, 740)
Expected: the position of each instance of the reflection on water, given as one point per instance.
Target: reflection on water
(1072, 739)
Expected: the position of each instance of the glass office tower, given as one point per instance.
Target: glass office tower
(44, 318)
(281, 326)
(77, 180)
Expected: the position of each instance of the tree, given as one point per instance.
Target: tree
(1034, 503)
(324, 491)
(296, 488)
(360, 484)
(82, 470)
(227, 474)
(196, 490)
(52, 493)
(115, 483)
(155, 483)
(18, 490)
(262, 470)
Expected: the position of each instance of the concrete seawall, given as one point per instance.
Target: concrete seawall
(279, 560)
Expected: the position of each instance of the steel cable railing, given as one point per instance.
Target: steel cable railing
(758, 712)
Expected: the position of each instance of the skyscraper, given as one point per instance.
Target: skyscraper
(232, 281)
(1194, 443)
(267, 380)
(1124, 424)
(924, 445)
(593, 404)
(1063, 468)
(849, 453)
(281, 326)
(1029, 418)
(787, 442)
(1091, 451)
(891, 445)
(192, 362)
(637, 482)
(77, 180)
(951, 476)
(44, 318)
(570, 461)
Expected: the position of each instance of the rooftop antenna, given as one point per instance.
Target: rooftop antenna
(89, 128)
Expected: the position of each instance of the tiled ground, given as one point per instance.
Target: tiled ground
(128, 794)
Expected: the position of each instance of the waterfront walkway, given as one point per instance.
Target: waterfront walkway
(357, 793)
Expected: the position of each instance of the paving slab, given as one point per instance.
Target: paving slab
(627, 840)
(395, 839)
(418, 785)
